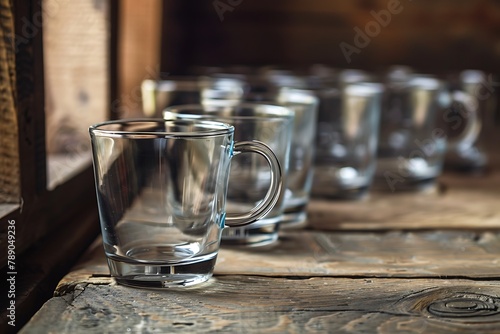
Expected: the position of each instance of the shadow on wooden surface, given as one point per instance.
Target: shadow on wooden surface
(459, 202)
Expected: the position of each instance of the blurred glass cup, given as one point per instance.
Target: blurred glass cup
(466, 130)
(346, 140)
(283, 87)
(411, 145)
(269, 124)
(302, 151)
(159, 94)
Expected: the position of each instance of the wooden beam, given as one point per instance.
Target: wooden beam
(139, 42)
(10, 188)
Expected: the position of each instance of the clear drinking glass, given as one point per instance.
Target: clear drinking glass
(269, 124)
(284, 88)
(346, 140)
(412, 144)
(159, 94)
(466, 128)
(301, 169)
(161, 190)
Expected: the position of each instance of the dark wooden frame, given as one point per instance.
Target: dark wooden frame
(52, 227)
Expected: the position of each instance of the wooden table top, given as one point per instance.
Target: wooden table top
(405, 263)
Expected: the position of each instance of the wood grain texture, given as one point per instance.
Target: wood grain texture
(253, 304)
(9, 149)
(434, 278)
(138, 53)
(302, 254)
(76, 65)
(391, 254)
(312, 281)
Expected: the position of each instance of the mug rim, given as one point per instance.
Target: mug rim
(208, 128)
(364, 89)
(275, 111)
(187, 83)
(297, 95)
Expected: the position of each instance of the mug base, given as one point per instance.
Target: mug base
(471, 160)
(406, 185)
(160, 276)
(341, 193)
(248, 236)
(294, 218)
(416, 174)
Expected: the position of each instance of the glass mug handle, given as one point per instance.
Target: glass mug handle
(272, 195)
(472, 127)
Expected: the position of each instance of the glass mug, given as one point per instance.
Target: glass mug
(284, 88)
(466, 128)
(410, 151)
(346, 140)
(159, 94)
(412, 145)
(161, 190)
(304, 103)
(270, 124)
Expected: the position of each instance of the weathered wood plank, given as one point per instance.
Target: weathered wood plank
(138, 55)
(401, 280)
(253, 304)
(432, 254)
(392, 254)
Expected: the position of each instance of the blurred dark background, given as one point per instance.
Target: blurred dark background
(430, 35)
(159, 38)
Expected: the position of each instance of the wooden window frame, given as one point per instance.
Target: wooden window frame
(52, 227)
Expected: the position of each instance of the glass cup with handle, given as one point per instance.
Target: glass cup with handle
(412, 144)
(270, 124)
(274, 90)
(346, 140)
(161, 190)
(467, 128)
(286, 89)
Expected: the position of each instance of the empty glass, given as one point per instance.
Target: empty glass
(282, 87)
(346, 140)
(464, 129)
(159, 94)
(302, 150)
(161, 191)
(269, 124)
(412, 144)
